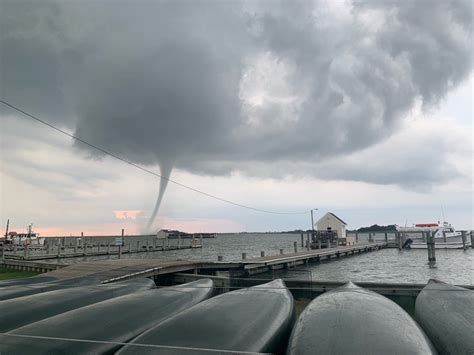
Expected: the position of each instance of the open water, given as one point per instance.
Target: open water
(386, 265)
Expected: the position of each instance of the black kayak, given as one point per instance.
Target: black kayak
(255, 319)
(99, 326)
(352, 320)
(20, 311)
(446, 313)
(14, 291)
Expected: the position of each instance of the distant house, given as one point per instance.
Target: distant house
(333, 222)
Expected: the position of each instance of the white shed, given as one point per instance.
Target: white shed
(330, 220)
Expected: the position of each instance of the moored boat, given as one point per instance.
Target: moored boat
(353, 320)
(98, 328)
(255, 319)
(446, 313)
(445, 236)
(20, 311)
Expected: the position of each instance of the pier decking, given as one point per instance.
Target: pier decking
(275, 262)
(127, 268)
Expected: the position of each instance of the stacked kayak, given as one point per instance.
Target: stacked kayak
(352, 320)
(20, 311)
(446, 313)
(255, 319)
(98, 327)
(26, 281)
(20, 290)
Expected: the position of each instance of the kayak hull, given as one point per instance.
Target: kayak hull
(446, 313)
(21, 311)
(98, 327)
(255, 319)
(352, 320)
(21, 290)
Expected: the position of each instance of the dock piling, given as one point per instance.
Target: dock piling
(463, 235)
(244, 256)
(295, 245)
(262, 254)
(430, 242)
(219, 258)
(281, 251)
(302, 241)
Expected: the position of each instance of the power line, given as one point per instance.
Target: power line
(106, 152)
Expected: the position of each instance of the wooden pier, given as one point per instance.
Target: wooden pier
(71, 247)
(286, 261)
(128, 268)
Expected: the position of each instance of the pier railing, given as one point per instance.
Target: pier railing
(69, 247)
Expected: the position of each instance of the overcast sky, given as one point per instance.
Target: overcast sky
(363, 109)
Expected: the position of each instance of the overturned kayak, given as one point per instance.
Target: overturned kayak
(352, 320)
(446, 313)
(21, 290)
(98, 327)
(26, 281)
(255, 319)
(20, 311)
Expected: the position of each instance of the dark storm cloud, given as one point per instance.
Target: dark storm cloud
(212, 86)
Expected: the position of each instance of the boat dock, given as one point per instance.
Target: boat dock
(71, 247)
(287, 261)
(127, 268)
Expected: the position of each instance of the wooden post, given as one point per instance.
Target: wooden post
(262, 254)
(386, 237)
(295, 245)
(302, 240)
(179, 241)
(463, 235)
(307, 241)
(120, 245)
(219, 258)
(430, 241)
(244, 256)
(357, 238)
(281, 251)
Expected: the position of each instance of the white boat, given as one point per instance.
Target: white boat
(446, 237)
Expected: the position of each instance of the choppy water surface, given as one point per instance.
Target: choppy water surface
(387, 265)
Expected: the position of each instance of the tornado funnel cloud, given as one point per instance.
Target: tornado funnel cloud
(165, 169)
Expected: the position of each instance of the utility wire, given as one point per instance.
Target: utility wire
(102, 150)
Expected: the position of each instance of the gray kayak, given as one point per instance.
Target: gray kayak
(352, 320)
(17, 312)
(98, 328)
(26, 281)
(446, 313)
(14, 291)
(255, 319)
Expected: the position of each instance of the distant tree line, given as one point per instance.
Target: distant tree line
(377, 228)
